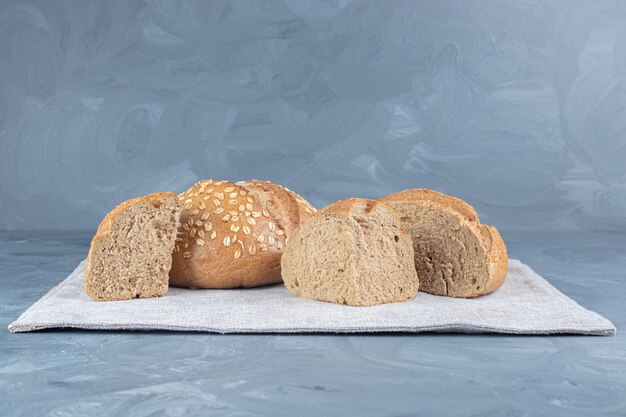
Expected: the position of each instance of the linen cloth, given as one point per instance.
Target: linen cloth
(525, 304)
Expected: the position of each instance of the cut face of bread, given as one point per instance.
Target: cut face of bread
(455, 255)
(353, 252)
(131, 253)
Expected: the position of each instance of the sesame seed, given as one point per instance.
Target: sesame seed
(186, 245)
(233, 202)
(188, 206)
(242, 207)
(271, 240)
(198, 223)
(263, 247)
(219, 182)
(186, 227)
(205, 215)
(260, 239)
(227, 241)
(248, 214)
(252, 250)
(202, 205)
(256, 214)
(194, 212)
(271, 226)
(188, 201)
(234, 239)
(218, 210)
(216, 202)
(249, 199)
(286, 240)
(208, 226)
(209, 191)
(226, 218)
(186, 255)
(201, 233)
(229, 189)
(266, 213)
(219, 195)
(243, 192)
(233, 195)
(192, 232)
(214, 234)
(237, 254)
(190, 222)
(251, 220)
(246, 230)
(280, 232)
(233, 212)
(200, 242)
(234, 227)
(279, 245)
(249, 207)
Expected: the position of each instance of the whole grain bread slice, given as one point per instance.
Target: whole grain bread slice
(455, 255)
(131, 253)
(352, 252)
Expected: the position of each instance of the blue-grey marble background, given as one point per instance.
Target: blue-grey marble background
(517, 106)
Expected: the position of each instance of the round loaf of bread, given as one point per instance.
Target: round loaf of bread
(352, 252)
(455, 255)
(233, 234)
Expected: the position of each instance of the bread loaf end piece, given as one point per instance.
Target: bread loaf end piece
(455, 255)
(131, 254)
(352, 252)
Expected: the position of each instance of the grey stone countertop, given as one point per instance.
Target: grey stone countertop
(89, 373)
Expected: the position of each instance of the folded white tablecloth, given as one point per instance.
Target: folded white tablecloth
(525, 304)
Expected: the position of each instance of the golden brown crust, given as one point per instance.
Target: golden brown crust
(286, 206)
(232, 234)
(488, 235)
(499, 266)
(104, 228)
(416, 194)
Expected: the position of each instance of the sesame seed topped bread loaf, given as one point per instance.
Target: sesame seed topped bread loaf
(352, 252)
(233, 234)
(131, 254)
(455, 255)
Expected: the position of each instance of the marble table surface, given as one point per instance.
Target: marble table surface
(88, 373)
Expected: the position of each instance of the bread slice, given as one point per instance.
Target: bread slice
(131, 253)
(455, 255)
(352, 252)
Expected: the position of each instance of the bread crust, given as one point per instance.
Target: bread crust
(486, 234)
(104, 229)
(499, 265)
(418, 194)
(231, 236)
